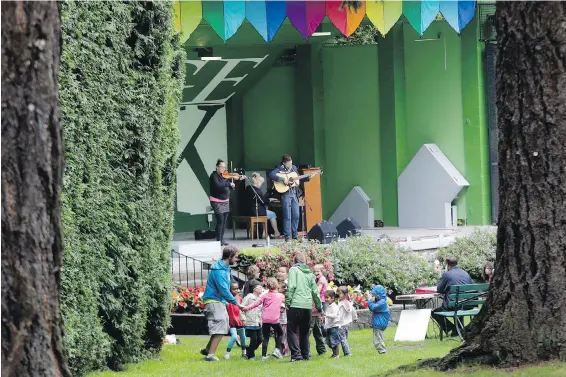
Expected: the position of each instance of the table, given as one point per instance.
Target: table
(426, 297)
(425, 290)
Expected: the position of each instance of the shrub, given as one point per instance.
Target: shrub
(119, 84)
(472, 251)
(270, 259)
(357, 260)
(366, 261)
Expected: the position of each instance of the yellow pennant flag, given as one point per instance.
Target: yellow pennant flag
(177, 10)
(190, 17)
(384, 14)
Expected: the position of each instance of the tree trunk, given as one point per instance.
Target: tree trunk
(524, 319)
(31, 186)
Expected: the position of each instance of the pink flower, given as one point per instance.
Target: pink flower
(331, 276)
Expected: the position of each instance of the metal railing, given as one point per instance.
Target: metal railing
(188, 271)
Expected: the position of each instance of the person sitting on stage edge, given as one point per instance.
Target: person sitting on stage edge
(454, 275)
(220, 198)
(289, 199)
(262, 201)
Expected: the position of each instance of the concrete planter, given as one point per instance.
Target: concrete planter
(195, 324)
(364, 318)
(188, 324)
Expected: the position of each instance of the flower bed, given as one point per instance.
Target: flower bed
(187, 300)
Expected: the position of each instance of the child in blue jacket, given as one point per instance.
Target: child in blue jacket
(380, 319)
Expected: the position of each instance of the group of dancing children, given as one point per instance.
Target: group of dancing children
(264, 315)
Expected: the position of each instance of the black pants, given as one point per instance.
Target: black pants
(266, 328)
(221, 220)
(256, 339)
(299, 320)
(317, 328)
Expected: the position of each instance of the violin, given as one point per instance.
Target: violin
(226, 174)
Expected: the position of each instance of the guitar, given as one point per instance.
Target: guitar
(294, 180)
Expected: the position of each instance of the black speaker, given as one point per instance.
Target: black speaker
(349, 227)
(205, 235)
(325, 232)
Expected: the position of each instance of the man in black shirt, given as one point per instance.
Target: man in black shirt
(454, 275)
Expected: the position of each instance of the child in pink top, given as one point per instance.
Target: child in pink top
(270, 315)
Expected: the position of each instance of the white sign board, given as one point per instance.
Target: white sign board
(412, 325)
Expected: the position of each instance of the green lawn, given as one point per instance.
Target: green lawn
(184, 360)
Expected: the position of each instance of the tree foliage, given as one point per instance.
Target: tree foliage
(120, 83)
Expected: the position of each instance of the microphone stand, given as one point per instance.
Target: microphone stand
(305, 205)
(257, 215)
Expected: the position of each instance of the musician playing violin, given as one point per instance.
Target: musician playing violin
(289, 199)
(221, 182)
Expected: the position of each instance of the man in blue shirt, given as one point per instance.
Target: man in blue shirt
(454, 275)
(289, 199)
(215, 297)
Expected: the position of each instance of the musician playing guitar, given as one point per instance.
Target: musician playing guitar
(290, 198)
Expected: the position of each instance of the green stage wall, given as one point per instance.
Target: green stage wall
(361, 113)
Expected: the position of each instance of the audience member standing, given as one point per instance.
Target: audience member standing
(316, 324)
(301, 292)
(253, 276)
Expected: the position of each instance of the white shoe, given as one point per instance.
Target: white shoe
(277, 354)
(227, 355)
(264, 358)
(211, 358)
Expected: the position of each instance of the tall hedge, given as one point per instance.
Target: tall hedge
(120, 84)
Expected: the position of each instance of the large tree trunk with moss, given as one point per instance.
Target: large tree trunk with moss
(31, 185)
(524, 319)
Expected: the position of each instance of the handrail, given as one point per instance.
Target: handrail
(198, 268)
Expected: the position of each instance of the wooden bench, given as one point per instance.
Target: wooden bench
(461, 296)
(250, 222)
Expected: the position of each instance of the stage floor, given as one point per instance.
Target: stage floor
(416, 239)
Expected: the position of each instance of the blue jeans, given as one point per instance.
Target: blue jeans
(234, 332)
(290, 209)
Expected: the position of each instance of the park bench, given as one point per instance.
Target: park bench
(460, 298)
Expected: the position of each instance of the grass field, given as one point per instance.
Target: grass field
(184, 360)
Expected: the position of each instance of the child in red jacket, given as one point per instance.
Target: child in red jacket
(236, 324)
